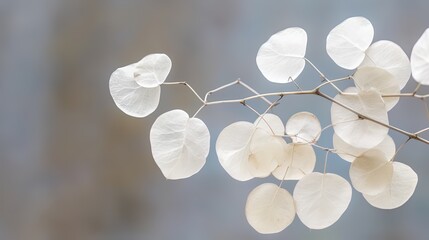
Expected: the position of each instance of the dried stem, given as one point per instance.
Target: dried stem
(199, 109)
(240, 82)
(220, 88)
(253, 91)
(423, 130)
(323, 76)
(399, 148)
(316, 91)
(326, 162)
(186, 84)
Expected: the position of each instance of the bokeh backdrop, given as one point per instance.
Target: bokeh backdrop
(74, 167)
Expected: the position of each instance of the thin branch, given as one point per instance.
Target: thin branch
(326, 162)
(422, 96)
(399, 148)
(315, 68)
(343, 153)
(331, 125)
(411, 135)
(322, 147)
(287, 169)
(186, 84)
(417, 88)
(220, 88)
(421, 131)
(296, 84)
(199, 109)
(323, 76)
(333, 81)
(280, 94)
(261, 116)
(303, 92)
(394, 95)
(239, 81)
(283, 179)
(272, 105)
(253, 110)
(315, 91)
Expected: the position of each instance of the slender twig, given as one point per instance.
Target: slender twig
(199, 109)
(411, 135)
(220, 88)
(260, 116)
(268, 109)
(281, 182)
(318, 93)
(317, 69)
(296, 84)
(331, 125)
(303, 92)
(253, 110)
(332, 150)
(326, 162)
(417, 88)
(239, 81)
(262, 95)
(399, 148)
(333, 81)
(323, 76)
(186, 84)
(421, 131)
(315, 91)
(422, 96)
(343, 153)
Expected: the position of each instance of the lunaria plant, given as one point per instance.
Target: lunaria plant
(267, 146)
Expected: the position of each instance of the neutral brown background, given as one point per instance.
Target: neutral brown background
(72, 166)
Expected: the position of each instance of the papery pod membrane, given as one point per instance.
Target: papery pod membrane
(350, 127)
(321, 199)
(347, 42)
(269, 209)
(281, 58)
(180, 145)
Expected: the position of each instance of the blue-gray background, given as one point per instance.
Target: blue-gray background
(72, 166)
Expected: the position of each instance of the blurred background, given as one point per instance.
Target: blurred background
(74, 167)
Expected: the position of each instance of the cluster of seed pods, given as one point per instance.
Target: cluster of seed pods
(266, 146)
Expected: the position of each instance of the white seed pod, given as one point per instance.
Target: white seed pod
(281, 58)
(303, 127)
(347, 42)
(246, 151)
(233, 149)
(299, 160)
(390, 57)
(269, 209)
(373, 77)
(152, 70)
(355, 131)
(180, 144)
(271, 123)
(399, 191)
(266, 152)
(130, 97)
(349, 152)
(321, 199)
(420, 59)
(371, 172)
